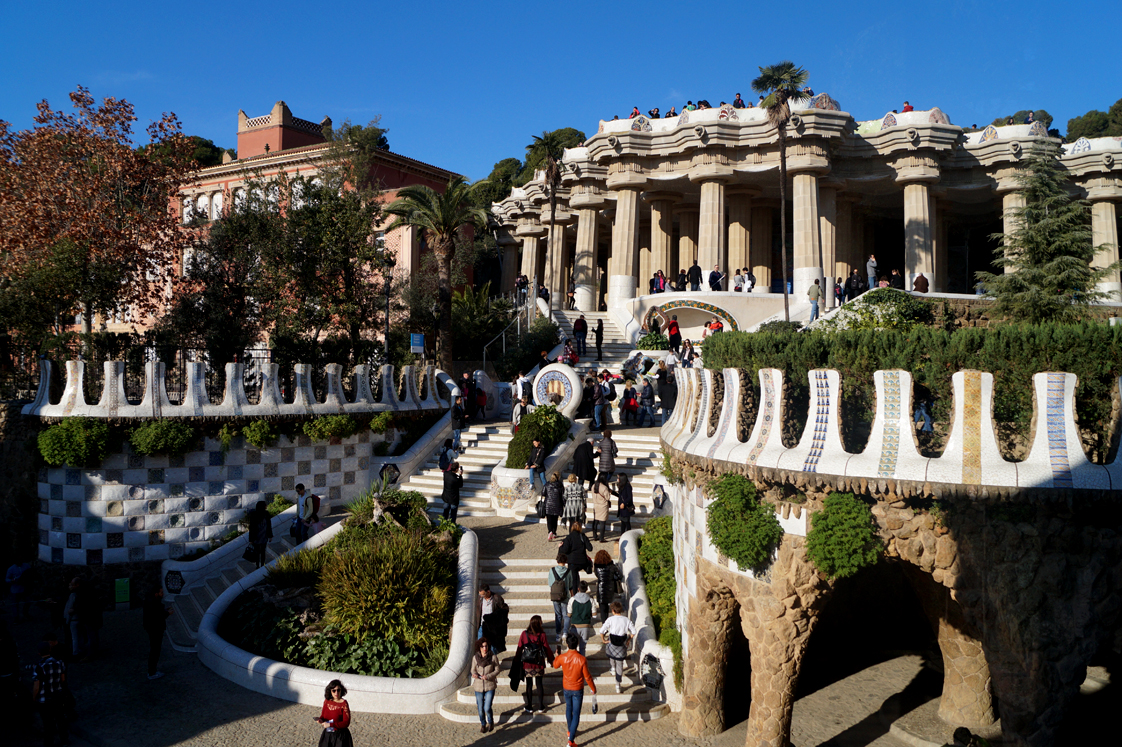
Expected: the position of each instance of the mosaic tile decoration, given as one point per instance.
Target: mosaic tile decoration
(889, 121)
(890, 443)
(641, 124)
(701, 418)
(1038, 130)
(767, 415)
(1082, 145)
(553, 382)
(728, 112)
(972, 427)
(667, 308)
(988, 134)
(1057, 433)
(728, 409)
(821, 419)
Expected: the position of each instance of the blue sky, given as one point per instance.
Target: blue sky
(463, 85)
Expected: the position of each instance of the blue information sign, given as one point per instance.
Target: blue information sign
(416, 343)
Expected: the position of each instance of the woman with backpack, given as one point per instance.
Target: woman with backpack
(576, 548)
(562, 582)
(532, 655)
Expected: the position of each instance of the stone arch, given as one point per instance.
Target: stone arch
(684, 308)
(712, 620)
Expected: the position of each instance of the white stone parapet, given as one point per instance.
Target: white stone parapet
(971, 457)
(197, 404)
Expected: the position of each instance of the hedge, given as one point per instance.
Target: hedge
(546, 423)
(75, 442)
(1012, 353)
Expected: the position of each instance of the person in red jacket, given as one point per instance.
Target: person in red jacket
(335, 718)
(574, 675)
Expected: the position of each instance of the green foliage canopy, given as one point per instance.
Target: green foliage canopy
(75, 442)
(162, 437)
(1096, 123)
(546, 423)
(843, 537)
(741, 527)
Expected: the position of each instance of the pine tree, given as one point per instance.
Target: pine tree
(1049, 252)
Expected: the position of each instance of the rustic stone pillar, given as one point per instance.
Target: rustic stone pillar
(919, 252)
(806, 249)
(1104, 227)
(687, 235)
(760, 249)
(1010, 202)
(711, 619)
(711, 247)
(662, 232)
(588, 221)
(740, 226)
(625, 245)
(827, 238)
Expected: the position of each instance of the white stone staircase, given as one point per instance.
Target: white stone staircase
(616, 348)
(522, 582)
(485, 446)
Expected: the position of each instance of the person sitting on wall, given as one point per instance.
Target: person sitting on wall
(920, 284)
(738, 103)
(907, 107)
(689, 107)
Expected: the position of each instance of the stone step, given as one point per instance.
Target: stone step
(631, 694)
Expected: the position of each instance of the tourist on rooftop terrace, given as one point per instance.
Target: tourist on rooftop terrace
(672, 113)
(738, 103)
(634, 112)
(689, 107)
(907, 107)
(681, 284)
(653, 113)
(1028, 119)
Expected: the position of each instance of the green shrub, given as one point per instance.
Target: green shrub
(843, 537)
(278, 505)
(296, 569)
(653, 341)
(226, 435)
(883, 308)
(672, 639)
(669, 471)
(742, 527)
(408, 507)
(162, 437)
(263, 629)
(330, 426)
(546, 423)
(399, 587)
(656, 561)
(381, 449)
(75, 442)
(777, 327)
(370, 655)
(413, 428)
(260, 433)
(381, 422)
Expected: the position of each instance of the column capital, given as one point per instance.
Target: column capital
(1104, 194)
(530, 230)
(625, 180)
(563, 217)
(586, 201)
(916, 167)
(664, 196)
(687, 207)
(718, 173)
(742, 190)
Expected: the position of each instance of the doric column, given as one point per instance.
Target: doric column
(556, 267)
(711, 247)
(584, 260)
(1011, 201)
(510, 263)
(919, 251)
(643, 278)
(759, 257)
(625, 245)
(844, 261)
(662, 231)
(740, 226)
(827, 238)
(806, 249)
(1104, 227)
(531, 233)
(687, 236)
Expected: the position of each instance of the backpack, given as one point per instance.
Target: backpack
(611, 393)
(559, 589)
(445, 460)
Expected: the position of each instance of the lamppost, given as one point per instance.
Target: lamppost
(387, 279)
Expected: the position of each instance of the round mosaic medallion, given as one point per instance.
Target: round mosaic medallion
(558, 382)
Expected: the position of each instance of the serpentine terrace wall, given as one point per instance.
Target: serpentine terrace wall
(134, 508)
(1019, 572)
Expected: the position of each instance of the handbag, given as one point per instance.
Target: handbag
(250, 552)
(651, 672)
(541, 508)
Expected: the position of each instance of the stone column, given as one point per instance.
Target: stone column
(643, 279)
(919, 251)
(711, 247)
(584, 260)
(843, 242)
(1010, 201)
(740, 226)
(625, 245)
(531, 248)
(827, 238)
(556, 275)
(942, 250)
(662, 231)
(510, 265)
(1104, 228)
(759, 256)
(806, 249)
(687, 235)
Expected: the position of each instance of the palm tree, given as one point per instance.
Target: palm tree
(782, 84)
(546, 151)
(441, 217)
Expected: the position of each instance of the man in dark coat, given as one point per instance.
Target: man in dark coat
(467, 391)
(668, 396)
(493, 614)
(580, 332)
(458, 422)
(681, 284)
(536, 462)
(695, 276)
(853, 285)
(584, 464)
(453, 481)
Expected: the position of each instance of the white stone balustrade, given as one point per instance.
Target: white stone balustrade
(971, 457)
(113, 403)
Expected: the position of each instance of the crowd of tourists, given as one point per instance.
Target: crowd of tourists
(701, 104)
